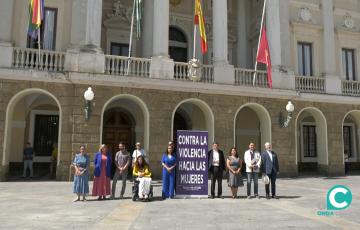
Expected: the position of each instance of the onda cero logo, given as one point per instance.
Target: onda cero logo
(338, 198)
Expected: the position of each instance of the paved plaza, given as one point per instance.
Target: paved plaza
(48, 205)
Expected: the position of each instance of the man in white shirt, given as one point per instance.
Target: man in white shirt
(216, 167)
(139, 152)
(252, 160)
(270, 166)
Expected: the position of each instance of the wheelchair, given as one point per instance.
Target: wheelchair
(135, 192)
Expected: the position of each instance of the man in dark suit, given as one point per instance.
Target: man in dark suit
(216, 167)
(270, 166)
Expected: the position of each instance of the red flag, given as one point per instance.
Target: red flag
(264, 54)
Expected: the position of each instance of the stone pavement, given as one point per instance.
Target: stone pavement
(48, 205)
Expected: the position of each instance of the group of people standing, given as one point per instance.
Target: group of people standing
(102, 172)
(267, 162)
(139, 161)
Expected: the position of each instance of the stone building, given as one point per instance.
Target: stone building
(314, 47)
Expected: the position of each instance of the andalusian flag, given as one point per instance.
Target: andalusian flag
(200, 20)
(36, 15)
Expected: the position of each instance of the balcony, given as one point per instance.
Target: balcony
(46, 60)
(54, 61)
(307, 84)
(350, 88)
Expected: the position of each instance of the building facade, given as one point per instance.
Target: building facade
(314, 46)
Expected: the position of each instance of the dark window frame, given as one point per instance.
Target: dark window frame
(303, 67)
(306, 133)
(352, 51)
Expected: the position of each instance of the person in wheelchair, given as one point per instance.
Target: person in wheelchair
(142, 183)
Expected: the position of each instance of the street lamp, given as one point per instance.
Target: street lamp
(290, 109)
(88, 96)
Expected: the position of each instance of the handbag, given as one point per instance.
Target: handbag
(265, 179)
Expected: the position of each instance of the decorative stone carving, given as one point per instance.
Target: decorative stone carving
(175, 2)
(119, 10)
(305, 14)
(348, 22)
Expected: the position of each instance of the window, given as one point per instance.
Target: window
(119, 49)
(47, 31)
(309, 141)
(348, 137)
(348, 61)
(305, 59)
(177, 45)
(45, 134)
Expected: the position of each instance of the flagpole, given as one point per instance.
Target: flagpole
(39, 44)
(194, 51)
(257, 52)
(131, 34)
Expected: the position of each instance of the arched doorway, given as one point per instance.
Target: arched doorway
(351, 140)
(33, 116)
(178, 45)
(193, 114)
(252, 124)
(125, 118)
(311, 139)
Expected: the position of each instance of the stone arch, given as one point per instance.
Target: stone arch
(12, 104)
(263, 130)
(314, 120)
(137, 104)
(196, 105)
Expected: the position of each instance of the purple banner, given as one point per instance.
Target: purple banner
(192, 163)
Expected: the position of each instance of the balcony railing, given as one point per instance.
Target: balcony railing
(245, 77)
(25, 58)
(310, 84)
(350, 88)
(124, 66)
(181, 71)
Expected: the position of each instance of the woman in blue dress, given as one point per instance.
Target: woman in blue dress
(81, 178)
(168, 173)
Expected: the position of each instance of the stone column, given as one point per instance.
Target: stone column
(161, 65)
(148, 26)
(223, 72)
(242, 43)
(278, 34)
(85, 54)
(6, 47)
(333, 81)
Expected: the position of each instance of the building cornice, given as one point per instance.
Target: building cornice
(168, 85)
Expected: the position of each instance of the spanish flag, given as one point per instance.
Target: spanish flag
(36, 15)
(200, 20)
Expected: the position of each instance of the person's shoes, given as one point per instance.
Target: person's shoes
(248, 197)
(212, 197)
(221, 197)
(268, 197)
(112, 197)
(84, 199)
(99, 198)
(77, 199)
(257, 196)
(274, 197)
(121, 196)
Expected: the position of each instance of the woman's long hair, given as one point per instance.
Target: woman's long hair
(143, 163)
(236, 154)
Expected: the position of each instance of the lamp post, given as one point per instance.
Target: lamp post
(290, 109)
(88, 96)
